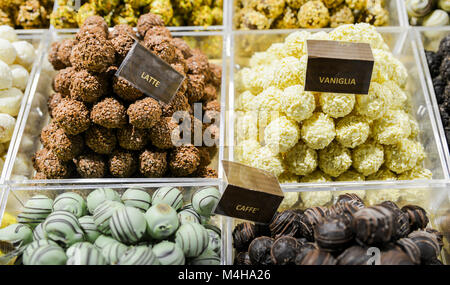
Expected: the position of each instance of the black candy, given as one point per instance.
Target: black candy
(410, 248)
(259, 251)
(373, 225)
(428, 245)
(395, 256)
(284, 250)
(316, 257)
(354, 255)
(417, 217)
(333, 235)
(243, 234)
(310, 218)
(285, 223)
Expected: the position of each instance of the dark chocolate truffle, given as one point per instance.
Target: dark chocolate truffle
(259, 251)
(345, 210)
(109, 113)
(124, 90)
(284, 250)
(122, 163)
(100, 139)
(354, 255)
(434, 62)
(146, 21)
(205, 172)
(90, 166)
(349, 197)
(444, 69)
(198, 64)
(63, 80)
(417, 217)
(161, 134)
(95, 55)
(153, 164)
(411, 249)
(50, 165)
(401, 220)
(72, 116)
(242, 258)
(144, 113)
(317, 257)
(373, 225)
(243, 234)
(184, 160)
(309, 219)
(428, 245)
(333, 235)
(132, 138)
(439, 86)
(395, 257)
(444, 46)
(285, 223)
(87, 87)
(216, 75)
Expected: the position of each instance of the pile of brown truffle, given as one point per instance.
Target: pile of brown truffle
(104, 127)
(347, 233)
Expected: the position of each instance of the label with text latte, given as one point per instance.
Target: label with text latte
(338, 67)
(150, 74)
(250, 193)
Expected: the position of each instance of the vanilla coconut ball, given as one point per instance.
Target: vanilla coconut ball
(7, 123)
(244, 149)
(368, 157)
(7, 51)
(289, 71)
(19, 76)
(351, 175)
(335, 159)
(398, 97)
(301, 159)
(290, 199)
(267, 106)
(315, 198)
(243, 102)
(25, 53)
(296, 103)
(281, 134)
(295, 43)
(417, 173)
(264, 159)
(404, 155)
(10, 100)
(318, 131)
(392, 127)
(6, 78)
(359, 33)
(8, 33)
(374, 104)
(337, 105)
(352, 131)
(246, 126)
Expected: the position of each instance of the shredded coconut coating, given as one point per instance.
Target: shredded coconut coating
(359, 33)
(315, 198)
(392, 127)
(318, 131)
(398, 96)
(276, 51)
(267, 106)
(243, 150)
(301, 159)
(382, 174)
(417, 173)
(374, 104)
(295, 43)
(368, 157)
(246, 126)
(404, 155)
(297, 104)
(313, 15)
(334, 159)
(352, 131)
(289, 71)
(316, 176)
(415, 130)
(287, 177)
(374, 197)
(281, 134)
(290, 199)
(243, 102)
(351, 175)
(387, 67)
(337, 105)
(263, 158)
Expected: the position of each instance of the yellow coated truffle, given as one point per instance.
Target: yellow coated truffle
(289, 71)
(337, 105)
(315, 198)
(243, 102)
(417, 173)
(392, 127)
(383, 174)
(374, 104)
(295, 43)
(290, 199)
(318, 131)
(264, 159)
(351, 175)
(374, 197)
(301, 159)
(297, 104)
(287, 177)
(246, 126)
(368, 157)
(335, 159)
(404, 155)
(352, 130)
(244, 149)
(315, 176)
(359, 33)
(313, 15)
(281, 134)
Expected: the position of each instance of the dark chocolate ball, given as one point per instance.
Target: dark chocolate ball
(243, 234)
(417, 217)
(317, 257)
(284, 250)
(428, 245)
(309, 219)
(434, 62)
(349, 197)
(242, 258)
(285, 223)
(439, 236)
(395, 257)
(333, 235)
(345, 209)
(401, 219)
(444, 46)
(354, 255)
(304, 249)
(411, 249)
(259, 251)
(373, 225)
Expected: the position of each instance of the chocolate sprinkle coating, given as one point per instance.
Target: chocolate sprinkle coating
(184, 160)
(122, 45)
(65, 147)
(100, 139)
(53, 101)
(93, 54)
(63, 80)
(50, 165)
(87, 87)
(53, 57)
(91, 31)
(243, 234)
(109, 113)
(90, 166)
(284, 250)
(196, 86)
(157, 31)
(162, 47)
(121, 29)
(132, 138)
(147, 21)
(96, 20)
(161, 134)
(373, 225)
(125, 90)
(122, 163)
(286, 223)
(153, 164)
(144, 113)
(183, 47)
(72, 116)
(259, 251)
(417, 217)
(64, 50)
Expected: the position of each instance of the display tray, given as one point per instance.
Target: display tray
(35, 117)
(428, 39)
(17, 197)
(403, 46)
(396, 9)
(37, 39)
(432, 196)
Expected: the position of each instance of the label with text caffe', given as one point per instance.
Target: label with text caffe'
(150, 74)
(338, 67)
(250, 193)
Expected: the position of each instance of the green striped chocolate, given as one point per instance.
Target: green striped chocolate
(71, 202)
(35, 210)
(128, 225)
(168, 195)
(63, 227)
(169, 253)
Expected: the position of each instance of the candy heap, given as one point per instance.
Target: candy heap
(439, 65)
(104, 127)
(16, 60)
(135, 228)
(293, 14)
(302, 136)
(116, 12)
(344, 234)
(25, 14)
(428, 13)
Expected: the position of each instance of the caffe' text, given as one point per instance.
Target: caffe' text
(247, 209)
(150, 79)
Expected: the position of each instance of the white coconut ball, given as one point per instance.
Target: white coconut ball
(6, 78)
(8, 33)
(7, 123)
(20, 76)
(25, 53)
(10, 101)
(7, 51)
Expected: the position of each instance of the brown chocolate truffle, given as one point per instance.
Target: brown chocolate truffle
(205, 158)
(39, 176)
(196, 86)
(122, 163)
(121, 29)
(161, 134)
(144, 113)
(90, 165)
(205, 172)
(64, 50)
(179, 103)
(53, 101)
(147, 21)
(100, 139)
(93, 54)
(87, 87)
(153, 164)
(183, 47)
(198, 64)
(64, 146)
(210, 93)
(48, 131)
(53, 57)
(109, 113)
(91, 31)
(157, 31)
(96, 21)
(72, 116)
(216, 75)
(63, 80)
(124, 90)
(122, 45)
(184, 160)
(50, 165)
(211, 135)
(132, 138)
(162, 47)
